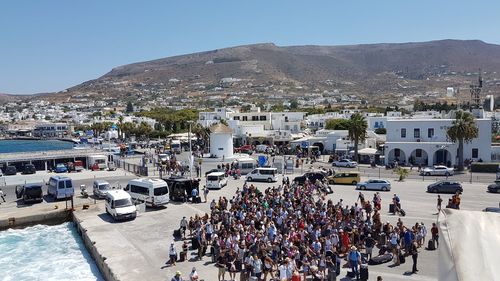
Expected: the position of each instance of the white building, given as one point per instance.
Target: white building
(48, 130)
(221, 141)
(424, 141)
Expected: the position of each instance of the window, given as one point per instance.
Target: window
(397, 152)
(430, 132)
(403, 133)
(475, 153)
(139, 189)
(376, 125)
(161, 190)
(416, 133)
(263, 118)
(418, 153)
(60, 185)
(245, 118)
(236, 118)
(255, 118)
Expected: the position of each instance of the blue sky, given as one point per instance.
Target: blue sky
(52, 45)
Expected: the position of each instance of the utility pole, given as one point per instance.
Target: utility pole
(190, 152)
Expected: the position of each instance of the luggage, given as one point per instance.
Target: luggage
(431, 246)
(177, 234)
(197, 199)
(182, 256)
(194, 243)
(363, 272)
(382, 250)
(382, 240)
(351, 274)
(391, 208)
(402, 212)
(402, 258)
(380, 259)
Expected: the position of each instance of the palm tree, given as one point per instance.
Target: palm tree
(463, 129)
(120, 122)
(357, 131)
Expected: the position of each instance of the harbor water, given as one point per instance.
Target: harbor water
(10, 146)
(45, 252)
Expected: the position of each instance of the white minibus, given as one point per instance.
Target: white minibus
(216, 180)
(60, 187)
(154, 192)
(263, 174)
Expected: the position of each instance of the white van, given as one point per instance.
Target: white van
(246, 165)
(119, 205)
(216, 180)
(60, 187)
(154, 192)
(263, 174)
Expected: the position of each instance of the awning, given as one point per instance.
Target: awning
(367, 151)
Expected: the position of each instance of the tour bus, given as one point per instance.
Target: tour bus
(246, 165)
(176, 146)
(60, 187)
(263, 174)
(216, 180)
(154, 192)
(119, 205)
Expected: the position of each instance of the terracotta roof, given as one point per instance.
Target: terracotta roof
(220, 128)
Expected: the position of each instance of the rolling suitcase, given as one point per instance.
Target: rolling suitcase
(402, 212)
(194, 243)
(182, 256)
(351, 274)
(197, 199)
(402, 258)
(363, 272)
(391, 208)
(431, 246)
(177, 234)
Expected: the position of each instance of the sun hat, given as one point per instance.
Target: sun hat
(178, 273)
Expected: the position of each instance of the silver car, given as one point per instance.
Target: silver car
(345, 163)
(375, 184)
(101, 188)
(437, 171)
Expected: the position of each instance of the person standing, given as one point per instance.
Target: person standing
(435, 234)
(194, 194)
(183, 225)
(332, 270)
(2, 195)
(369, 243)
(172, 253)
(205, 193)
(439, 202)
(355, 260)
(414, 256)
(177, 277)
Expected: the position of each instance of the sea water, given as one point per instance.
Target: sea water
(9, 146)
(44, 253)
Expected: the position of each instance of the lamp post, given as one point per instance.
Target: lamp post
(190, 151)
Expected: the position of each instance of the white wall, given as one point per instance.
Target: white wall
(221, 144)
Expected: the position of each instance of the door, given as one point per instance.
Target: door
(69, 188)
(61, 190)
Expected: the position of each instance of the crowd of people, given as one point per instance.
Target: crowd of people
(293, 232)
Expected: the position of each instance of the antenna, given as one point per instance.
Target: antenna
(475, 92)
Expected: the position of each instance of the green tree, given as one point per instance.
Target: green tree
(357, 131)
(130, 107)
(381, 131)
(402, 173)
(463, 129)
(294, 104)
(337, 124)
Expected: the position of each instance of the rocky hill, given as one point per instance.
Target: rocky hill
(368, 70)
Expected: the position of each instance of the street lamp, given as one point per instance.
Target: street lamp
(190, 150)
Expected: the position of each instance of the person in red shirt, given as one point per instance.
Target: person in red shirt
(435, 234)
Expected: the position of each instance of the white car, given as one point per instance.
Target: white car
(345, 163)
(375, 184)
(437, 171)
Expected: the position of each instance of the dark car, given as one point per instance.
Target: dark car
(445, 187)
(491, 210)
(30, 193)
(494, 188)
(215, 171)
(29, 169)
(312, 176)
(180, 188)
(10, 170)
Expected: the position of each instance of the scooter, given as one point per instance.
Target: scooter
(83, 191)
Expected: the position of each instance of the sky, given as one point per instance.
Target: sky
(51, 45)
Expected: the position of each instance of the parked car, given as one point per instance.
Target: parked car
(445, 187)
(312, 176)
(119, 205)
(437, 171)
(375, 184)
(30, 193)
(10, 171)
(345, 163)
(61, 168)
(344, 178)
(180, 188)
(215, 171)
(491, 209)
(29, 169)
(494, 188)
(100, 188)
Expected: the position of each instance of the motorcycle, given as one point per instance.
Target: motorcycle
(83, 191)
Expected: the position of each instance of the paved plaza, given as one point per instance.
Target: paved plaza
(138, 250)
